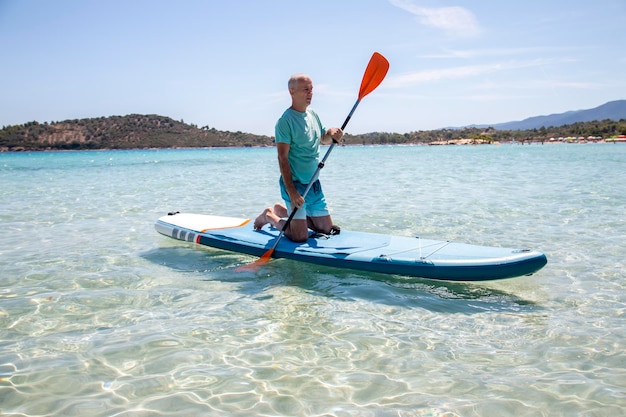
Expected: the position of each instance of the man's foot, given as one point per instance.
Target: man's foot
(262, 219)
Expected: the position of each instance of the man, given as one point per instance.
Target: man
(298, 136)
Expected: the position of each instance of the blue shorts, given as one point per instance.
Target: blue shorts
(314, 203)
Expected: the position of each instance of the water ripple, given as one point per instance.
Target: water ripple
(100, 316)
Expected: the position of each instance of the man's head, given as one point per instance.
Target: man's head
(301, 91)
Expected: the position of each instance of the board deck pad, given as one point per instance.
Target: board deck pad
(202, 222)
(401, 255)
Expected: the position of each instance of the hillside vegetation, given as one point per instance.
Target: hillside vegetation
(152, 131)
(594, 131)
(121, 132)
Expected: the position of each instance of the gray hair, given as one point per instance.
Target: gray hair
(293, 80)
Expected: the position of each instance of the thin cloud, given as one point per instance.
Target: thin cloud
(576, 85)
(466, 71)
(455, 21)
(496, 52)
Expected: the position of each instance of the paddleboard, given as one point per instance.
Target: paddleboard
(382, 253)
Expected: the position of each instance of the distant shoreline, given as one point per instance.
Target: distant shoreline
(140, 131)
(452, 142)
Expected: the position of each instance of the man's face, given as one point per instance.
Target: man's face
(302, 94)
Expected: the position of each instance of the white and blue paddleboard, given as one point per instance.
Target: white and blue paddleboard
(415, 257)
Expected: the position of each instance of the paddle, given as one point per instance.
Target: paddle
(374, 74)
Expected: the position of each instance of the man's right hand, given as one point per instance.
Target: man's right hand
(296, 199)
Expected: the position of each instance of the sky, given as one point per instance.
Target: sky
(225, 63)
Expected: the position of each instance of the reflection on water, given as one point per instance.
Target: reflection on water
(337, 283)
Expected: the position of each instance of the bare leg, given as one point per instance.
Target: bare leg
(280, 210)
(268, 216)
(297, 230)
(320, 224)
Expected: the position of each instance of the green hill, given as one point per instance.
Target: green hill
(138, 131)
(134, 131)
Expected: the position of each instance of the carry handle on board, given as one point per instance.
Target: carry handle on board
(374, 74)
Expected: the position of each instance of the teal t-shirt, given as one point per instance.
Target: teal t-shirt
(303, 133)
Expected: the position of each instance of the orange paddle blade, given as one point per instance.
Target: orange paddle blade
(374, 74)
(254, 266)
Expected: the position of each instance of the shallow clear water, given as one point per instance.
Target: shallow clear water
(101, 316)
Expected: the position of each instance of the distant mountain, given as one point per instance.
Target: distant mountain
(613, 110)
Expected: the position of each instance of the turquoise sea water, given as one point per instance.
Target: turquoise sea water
(101, 316)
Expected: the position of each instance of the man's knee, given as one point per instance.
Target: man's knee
(297, 231)
(321, 224)
(297, 236)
